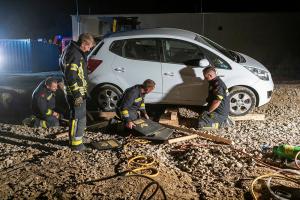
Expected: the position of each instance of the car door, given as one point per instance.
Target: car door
(183, 81)
(137, 60)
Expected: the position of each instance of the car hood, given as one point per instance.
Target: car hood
(252, 62)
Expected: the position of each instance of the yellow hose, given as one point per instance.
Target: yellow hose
(141, 164)
(296, 159)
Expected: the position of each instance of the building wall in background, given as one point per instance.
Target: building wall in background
(270, 38)
(273, 39)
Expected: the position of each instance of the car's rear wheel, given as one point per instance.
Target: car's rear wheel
(106, 97)
(242, 100)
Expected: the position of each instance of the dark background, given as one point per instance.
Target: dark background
(44, 19)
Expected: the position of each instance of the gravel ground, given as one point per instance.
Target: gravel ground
(33, 165)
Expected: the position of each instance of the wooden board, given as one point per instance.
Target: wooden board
(214, 138)
(90, 116)
(170, 118)
(102, 115)
(174, 116)
(169, 122)
(107, 115)
(98, 125)
(62, 135)
(249, 117)
(180, 139)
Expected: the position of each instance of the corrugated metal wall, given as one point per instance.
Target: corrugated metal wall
(15, 56)
(26, 56)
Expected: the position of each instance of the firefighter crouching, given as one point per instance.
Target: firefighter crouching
(132, 101)
(217, 109)
(43, 104)
(73, 64)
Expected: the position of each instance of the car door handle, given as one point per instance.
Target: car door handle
(169, 73)
(221, 75)
(119, 69)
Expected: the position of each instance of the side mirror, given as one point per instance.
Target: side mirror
(203, 62)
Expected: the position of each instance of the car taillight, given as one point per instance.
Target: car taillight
(93, 64)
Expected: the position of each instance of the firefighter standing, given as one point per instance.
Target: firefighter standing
(43, 104)
(217, 109)
(74, 67)
(132, 101)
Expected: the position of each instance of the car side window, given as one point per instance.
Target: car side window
(178, 51)
(216, 60)
(117, 47)
(141, 49)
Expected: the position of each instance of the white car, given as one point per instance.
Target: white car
(172, 58)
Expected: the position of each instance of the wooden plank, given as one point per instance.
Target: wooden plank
(62, 135)
(171, 110)
(201, 134)
(174, 116)
(170, 117)
(249, 117)
(98, 125)
(169, 122)
(90, 116)
(107, 115)
(64, 120)
(180, 139)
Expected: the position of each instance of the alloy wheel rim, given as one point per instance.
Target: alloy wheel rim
(108, 99)
(240, 103)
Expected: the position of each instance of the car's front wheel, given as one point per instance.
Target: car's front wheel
(242, 100)
(106, 97)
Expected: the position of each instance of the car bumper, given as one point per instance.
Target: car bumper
(264, 90)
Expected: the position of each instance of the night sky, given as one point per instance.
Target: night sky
(44, 19)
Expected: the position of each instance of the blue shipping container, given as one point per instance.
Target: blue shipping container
(27, 56)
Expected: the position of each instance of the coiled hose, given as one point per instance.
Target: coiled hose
(141, 164)
(277, 175)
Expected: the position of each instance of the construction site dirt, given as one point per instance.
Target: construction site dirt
(36, 165)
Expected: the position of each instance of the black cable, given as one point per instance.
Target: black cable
(141, 194)
(153, 182)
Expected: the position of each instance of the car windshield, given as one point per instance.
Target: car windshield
(230, 54)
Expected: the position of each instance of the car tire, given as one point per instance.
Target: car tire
(241, 101)
(106, 97)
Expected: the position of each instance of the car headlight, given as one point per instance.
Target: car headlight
(262, 74)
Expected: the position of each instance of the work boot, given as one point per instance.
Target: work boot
(112, 121)
(80, 148)
(230, 122)
(227, 123)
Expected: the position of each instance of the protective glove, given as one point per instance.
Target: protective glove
(78, 101)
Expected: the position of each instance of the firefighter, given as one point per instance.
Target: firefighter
(73, 64)
(43, 104)
(132, 101)
(217, 109)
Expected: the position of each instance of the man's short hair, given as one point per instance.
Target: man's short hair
(148, 83)
(86, 37)
(209, 69)
(50, 80)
